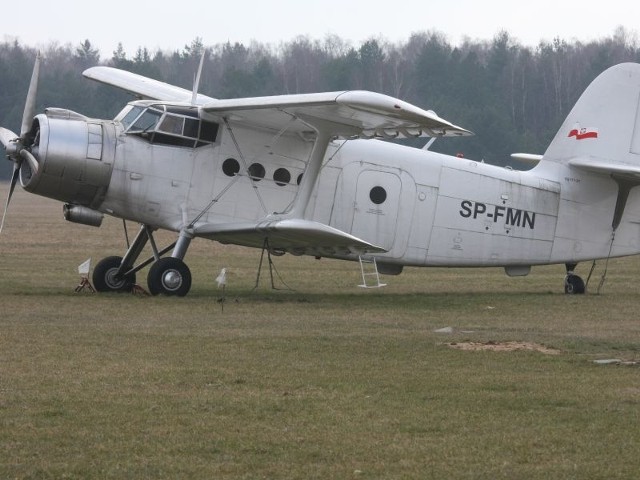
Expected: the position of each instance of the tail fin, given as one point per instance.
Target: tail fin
(604, 125)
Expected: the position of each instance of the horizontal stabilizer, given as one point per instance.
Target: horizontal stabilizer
(630, 173)
(291, 235)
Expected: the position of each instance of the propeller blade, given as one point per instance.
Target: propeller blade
(10, 142)
(6, 137)
(30, 104)
(31, 160)
(14, 144)
(14, 179)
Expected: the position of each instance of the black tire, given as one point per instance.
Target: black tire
(104, 279)
(573, 285)
(169, 276)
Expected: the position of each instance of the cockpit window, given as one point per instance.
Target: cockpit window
(191, 127)
(208, 131)
(170, 125)
(146, 122)
(131, 116)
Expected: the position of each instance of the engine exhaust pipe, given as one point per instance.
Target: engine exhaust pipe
(83, 215)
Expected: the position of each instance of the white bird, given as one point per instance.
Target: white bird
(222, 278)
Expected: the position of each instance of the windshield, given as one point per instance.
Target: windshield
(147, 121)
(168, 125)
(130, 116)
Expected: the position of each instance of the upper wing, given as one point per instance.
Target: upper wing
(142, 87)
(350, 113)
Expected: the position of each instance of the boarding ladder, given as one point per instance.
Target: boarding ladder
(369, 269)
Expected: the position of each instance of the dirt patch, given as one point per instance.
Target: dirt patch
(504, 347)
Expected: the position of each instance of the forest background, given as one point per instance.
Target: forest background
(512, 96)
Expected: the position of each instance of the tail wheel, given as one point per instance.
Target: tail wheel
(169, 276)
(105, 278)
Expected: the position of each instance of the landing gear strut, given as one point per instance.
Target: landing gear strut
(573, 284)
(167, 276)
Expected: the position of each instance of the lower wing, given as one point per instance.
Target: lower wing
(292, 235)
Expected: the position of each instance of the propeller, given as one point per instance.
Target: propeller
(16, 146)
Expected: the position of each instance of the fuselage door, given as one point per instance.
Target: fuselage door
(375, 213)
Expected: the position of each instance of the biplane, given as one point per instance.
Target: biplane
(315, 174)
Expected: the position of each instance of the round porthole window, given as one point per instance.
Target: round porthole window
(230, 167)
(378, 195)
(256, 171)
(282, 176)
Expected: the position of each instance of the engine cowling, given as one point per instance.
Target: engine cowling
(75, 158)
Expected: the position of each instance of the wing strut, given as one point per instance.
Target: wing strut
(310, 176)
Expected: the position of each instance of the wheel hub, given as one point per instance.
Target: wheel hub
(172, 279)
(169, 276)
(113, 279)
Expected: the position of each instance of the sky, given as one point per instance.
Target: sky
(170, 25)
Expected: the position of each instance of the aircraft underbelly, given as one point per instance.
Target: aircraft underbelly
(484, 220)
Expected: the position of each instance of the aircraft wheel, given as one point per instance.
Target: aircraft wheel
(169, 276)
(573, 285)
(105, 280)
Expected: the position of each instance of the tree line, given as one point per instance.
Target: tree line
(512, 96)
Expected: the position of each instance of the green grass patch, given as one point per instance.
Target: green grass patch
(327, 381)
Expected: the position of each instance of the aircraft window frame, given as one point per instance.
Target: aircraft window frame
(172, 126)
(146, 122)
(191, 128)
(131, 116)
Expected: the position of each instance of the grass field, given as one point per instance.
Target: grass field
(324, 381)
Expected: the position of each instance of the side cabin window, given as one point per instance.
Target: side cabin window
(169, 125)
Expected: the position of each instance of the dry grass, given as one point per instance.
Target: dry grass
(327, 381)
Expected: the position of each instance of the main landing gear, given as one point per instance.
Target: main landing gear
(167, 276)
(573, 284)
